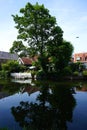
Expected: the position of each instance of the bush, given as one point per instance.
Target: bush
(12, 66)
(84, 73)
(76, 73)
(40, 74)
(4, 74)
(67, 71)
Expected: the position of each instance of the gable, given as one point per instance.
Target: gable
(25, 61)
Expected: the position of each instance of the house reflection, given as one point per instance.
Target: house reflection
(52, 111)
(29, 89)
(10, 88)
(81, 87)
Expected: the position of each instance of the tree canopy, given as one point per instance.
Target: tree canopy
(18, 48)
(45, 38)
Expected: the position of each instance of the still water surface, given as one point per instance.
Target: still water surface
(43, 105)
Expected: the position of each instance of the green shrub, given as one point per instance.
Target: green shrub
(67, 71)
(40, 74)
(12, 66)
(84, 73)
(4, 74)
(76, 73)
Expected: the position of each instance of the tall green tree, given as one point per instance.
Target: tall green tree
(36, 26)
(40, 30)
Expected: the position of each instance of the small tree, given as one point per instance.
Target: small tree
(60, 55)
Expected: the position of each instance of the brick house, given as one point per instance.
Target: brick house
(81, 57)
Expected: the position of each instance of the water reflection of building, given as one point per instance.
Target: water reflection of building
(29, 89)
(81, 87)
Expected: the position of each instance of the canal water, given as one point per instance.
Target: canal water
(43, 105)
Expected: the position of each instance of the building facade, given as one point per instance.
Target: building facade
(81, 57)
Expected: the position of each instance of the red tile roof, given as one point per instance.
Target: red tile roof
(27, 61)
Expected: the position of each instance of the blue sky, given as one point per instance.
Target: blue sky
(71, 16)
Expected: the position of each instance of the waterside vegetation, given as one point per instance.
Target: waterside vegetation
(39, 29)
(44, 38)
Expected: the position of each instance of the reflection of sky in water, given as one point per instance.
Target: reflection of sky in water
(79, 113)
(6, 118)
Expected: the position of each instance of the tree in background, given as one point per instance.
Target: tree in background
(18, 48)
(60, 54)
(39, 29)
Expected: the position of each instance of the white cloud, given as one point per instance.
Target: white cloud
(6, 39)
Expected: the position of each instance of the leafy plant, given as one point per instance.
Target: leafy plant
(76, 73)
(84, 73)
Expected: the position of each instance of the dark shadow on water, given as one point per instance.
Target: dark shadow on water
(52, 110)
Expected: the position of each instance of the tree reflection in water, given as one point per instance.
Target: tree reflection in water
(54, 109)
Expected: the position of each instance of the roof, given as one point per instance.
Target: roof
(26, 61)
(8, 56)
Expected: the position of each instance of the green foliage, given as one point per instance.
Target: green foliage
(43, 61)
(74, 66)
(7, 68)
(67, 71)
(75, 73)
(18, 48)
(35, 26)
(40, 30)
(4, 74)
(41, 74)
(84, 73)
(81, 67)
(36, 64)
(78, 66)
(12, 66)
(61, 55)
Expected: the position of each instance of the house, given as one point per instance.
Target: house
(27, 61)
(5, 56)
(81, 57)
